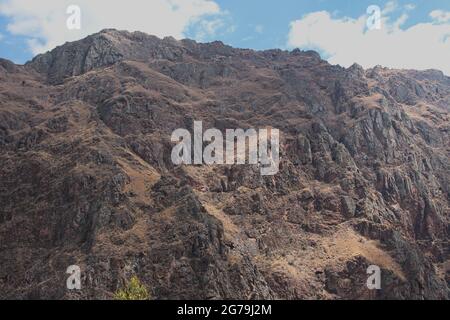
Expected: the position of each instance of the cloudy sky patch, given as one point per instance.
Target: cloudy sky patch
(346, 40)
(414, 33)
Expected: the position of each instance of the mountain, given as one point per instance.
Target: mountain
(86, 176)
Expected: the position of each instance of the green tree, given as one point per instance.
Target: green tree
(134, 290)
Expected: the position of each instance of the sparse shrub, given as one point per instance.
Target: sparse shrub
(134, 290)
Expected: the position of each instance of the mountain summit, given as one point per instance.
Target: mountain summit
(87, 179)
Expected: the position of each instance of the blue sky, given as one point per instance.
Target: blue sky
(275, 17)
(333, 27)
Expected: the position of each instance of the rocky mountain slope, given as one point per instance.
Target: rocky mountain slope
(86, 176)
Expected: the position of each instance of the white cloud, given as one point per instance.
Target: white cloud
(209, 27)
(440, 16)
(347, 40)
(391, 6)
(410, 6)
(44, 21)
(259, 28)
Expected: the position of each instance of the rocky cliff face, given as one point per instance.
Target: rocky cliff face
(86, 176)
